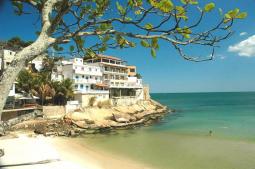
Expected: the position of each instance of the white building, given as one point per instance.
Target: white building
(87, 78)
(9, 55)
(120, 77)
(103, 77)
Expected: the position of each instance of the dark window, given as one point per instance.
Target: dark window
(132, 70)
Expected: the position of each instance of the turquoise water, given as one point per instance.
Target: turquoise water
(182, 141)
(229, 115)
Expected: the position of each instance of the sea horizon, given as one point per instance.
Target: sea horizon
(202, 92)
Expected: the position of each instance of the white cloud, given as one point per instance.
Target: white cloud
(243, 33)
(244, 48)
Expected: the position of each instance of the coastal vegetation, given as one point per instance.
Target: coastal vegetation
(65, 22)
(39, 84)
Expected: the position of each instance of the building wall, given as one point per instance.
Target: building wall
(84, 99)
(131, 70)
(124, 101)
(146, 93)
(54, 111)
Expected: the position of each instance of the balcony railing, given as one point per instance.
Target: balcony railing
(91, 91)
(122, 84)
(87, 81)
(85, 72)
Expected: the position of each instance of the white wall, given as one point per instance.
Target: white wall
(84, 99)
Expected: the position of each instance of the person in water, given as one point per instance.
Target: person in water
(210, 133)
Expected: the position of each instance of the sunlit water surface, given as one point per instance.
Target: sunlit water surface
(182, 141)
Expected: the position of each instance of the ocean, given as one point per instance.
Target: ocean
(207, 131)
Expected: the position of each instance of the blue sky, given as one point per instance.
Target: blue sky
(232, 70)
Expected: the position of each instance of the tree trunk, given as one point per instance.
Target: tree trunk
(21, 58)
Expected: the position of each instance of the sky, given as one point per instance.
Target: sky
(233, 68)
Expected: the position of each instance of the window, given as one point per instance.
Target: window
(81, 86)
(87, 77)
(76, 86)
(87, 87)
(77, 77)
(83, 76)
(90, 77)
(82, 68)
(96, 78)
(132, 70)
(90, 69)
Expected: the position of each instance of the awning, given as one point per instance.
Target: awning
(101, 85)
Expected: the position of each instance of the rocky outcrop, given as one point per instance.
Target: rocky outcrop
(97, 120)
(118, 117)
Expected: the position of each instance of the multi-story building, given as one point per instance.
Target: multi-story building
(87, 78)
(120, 78)
(103, 77)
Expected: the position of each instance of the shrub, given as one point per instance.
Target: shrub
(105, 104)
(92, 101)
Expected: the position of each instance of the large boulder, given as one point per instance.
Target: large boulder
(120, 118)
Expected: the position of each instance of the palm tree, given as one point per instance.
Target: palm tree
(64, 91)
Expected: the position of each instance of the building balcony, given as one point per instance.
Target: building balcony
(80, 91)
(116, 73)
(84, 72)
(123, 84)
(87, 81)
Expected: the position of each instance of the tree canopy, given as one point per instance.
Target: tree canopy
(75, 21)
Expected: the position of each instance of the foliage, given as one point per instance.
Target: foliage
(15, 44)
(40, 84)
(104, 104)
(139, 76)
(92, 101)
(75, 21)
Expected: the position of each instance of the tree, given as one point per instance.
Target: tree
(64, 91)
(74, 21)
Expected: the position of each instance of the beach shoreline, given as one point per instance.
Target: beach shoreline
(65, 153)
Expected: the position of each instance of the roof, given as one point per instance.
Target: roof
(101, 85)
(107, 57)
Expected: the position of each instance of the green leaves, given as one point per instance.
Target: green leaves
(185, 32)
(163, 5)
(242, 15)
(148, 26)
(145, 44)
(71, 48)
(153, 52)
(154, 43)
(79, 41)
(192, 2)
(234, 14)
(181, 13)
(18, 7)
(58, 48)
(209, 7)
(120, 8)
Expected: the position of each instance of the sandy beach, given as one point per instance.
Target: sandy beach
(61, 153)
